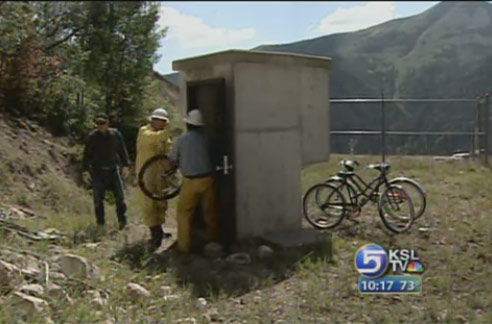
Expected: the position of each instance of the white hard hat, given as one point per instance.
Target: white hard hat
(194, 118)
(160, 113)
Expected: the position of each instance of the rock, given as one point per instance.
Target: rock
(264, 252)
(58, 276)
(201, 302)
(166, 289)
(137, 290)
(54, 291)
(27, 264)
(212, 315)
(52, 231)
(28, 304)
(171, 297)
(57, 294)
(74, 266)
(239, 258)
(97, 300)
(92, 246)
(213, 250)
(10, 276)
(96, 273)
(32, 289)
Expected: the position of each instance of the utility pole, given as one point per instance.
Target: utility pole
(486, 117)
(383, 127)
(476, 129)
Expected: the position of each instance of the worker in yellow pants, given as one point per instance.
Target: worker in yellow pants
(194, 192)
(191, 154)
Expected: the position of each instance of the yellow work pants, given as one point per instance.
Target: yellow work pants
(193, 193)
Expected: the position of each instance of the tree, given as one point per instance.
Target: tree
(122, 39)
(61, 62)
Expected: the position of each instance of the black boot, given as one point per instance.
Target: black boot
(156, 236)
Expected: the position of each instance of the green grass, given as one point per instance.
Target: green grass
(297, 286)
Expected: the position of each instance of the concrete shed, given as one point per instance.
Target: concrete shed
(267, 115)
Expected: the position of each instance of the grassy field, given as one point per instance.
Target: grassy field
(295, 286)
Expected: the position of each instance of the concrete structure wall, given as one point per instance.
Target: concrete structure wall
(314, 98)
(268, 146)
(268, 182)
(267, 97)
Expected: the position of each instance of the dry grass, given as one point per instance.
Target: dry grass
(297, 286)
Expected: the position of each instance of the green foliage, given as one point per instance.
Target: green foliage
(62, 62)
(122, 40)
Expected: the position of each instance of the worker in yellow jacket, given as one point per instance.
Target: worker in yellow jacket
(153, 139)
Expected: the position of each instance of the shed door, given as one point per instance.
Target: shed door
(209, 96)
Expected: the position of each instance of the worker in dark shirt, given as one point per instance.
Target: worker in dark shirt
(104, 153)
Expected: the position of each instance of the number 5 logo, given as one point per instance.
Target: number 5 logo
(371, 261)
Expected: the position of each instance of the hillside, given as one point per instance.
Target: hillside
(297, 285)
(444, 52)
(168, 96)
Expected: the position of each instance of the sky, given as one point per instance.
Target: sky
(196, 28)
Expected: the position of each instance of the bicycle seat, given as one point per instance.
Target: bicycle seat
(381, 167)
(348, 165)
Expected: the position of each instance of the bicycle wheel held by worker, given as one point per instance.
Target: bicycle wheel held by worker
(170, 183)
(324, 206)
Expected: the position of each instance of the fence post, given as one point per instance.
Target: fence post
(476, 129)
(486, 117)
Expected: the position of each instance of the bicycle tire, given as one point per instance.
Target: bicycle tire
(164, 195)
(339, 204)
(350, 193)
(420, 202)
(400, 196)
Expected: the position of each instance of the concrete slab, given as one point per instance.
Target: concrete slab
(298, 238)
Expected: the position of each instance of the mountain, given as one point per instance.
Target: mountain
(416, 56)
(173, 78)
(444, 52)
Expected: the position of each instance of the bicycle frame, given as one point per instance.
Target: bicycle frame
(352, 179)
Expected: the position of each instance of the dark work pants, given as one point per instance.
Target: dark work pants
(103, 180)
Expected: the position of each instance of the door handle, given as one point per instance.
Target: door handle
(225, 165)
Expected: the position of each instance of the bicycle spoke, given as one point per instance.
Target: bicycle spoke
(323, 206)
(396, 209)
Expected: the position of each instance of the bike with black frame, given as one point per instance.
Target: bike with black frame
(326, 204)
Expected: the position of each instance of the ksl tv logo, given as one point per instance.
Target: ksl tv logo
(372, 261)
